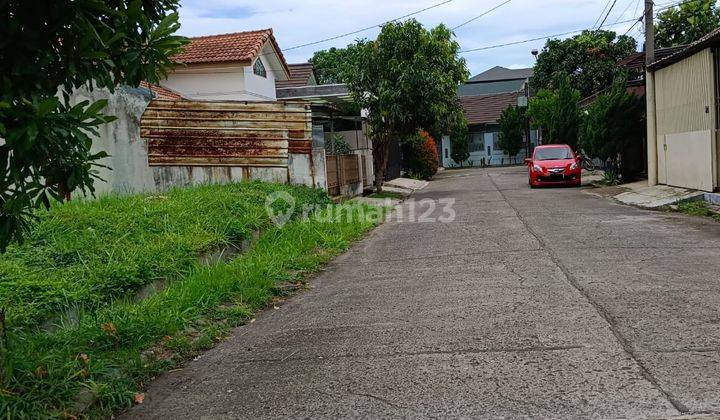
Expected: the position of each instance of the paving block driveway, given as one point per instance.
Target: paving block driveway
(543, 303)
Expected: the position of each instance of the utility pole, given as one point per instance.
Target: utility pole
(649, 33)
(527, 119)
(652, 143)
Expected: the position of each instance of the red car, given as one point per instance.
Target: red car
(554, 164)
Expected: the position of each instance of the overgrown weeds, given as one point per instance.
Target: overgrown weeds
(118, 344)
(610, 178)
(83, 254)
(698, 208)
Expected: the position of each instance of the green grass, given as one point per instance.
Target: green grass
(387, 194)
(86, 253)
(697, 208)
(95, 368)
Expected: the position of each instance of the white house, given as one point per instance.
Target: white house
(483, 98)
(240, 66)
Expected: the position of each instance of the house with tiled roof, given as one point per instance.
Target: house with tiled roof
(483, 98)
(634, 64)
(241, 66)
(159, 92)
(301, 74)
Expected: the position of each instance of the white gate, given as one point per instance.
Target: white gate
(690, 160)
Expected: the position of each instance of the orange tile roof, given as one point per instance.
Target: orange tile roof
(228, 48)
(162, 93)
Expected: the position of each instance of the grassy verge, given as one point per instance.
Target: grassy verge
(82, 255)
(697, 208)
(97, 367)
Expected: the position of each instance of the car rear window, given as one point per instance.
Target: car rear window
(553, 153)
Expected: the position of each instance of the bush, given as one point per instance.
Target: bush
(613, 129)
(420, 157)
(610, 178)
(337, 145)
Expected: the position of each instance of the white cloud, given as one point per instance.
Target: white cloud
(299, 22)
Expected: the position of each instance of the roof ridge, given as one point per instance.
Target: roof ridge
(491, 94)
(691, 48)
(256, 31)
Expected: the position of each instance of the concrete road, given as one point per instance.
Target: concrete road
(543, 303)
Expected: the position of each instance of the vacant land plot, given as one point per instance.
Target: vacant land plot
(81, 341)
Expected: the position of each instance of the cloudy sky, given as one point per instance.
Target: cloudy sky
(298, 22)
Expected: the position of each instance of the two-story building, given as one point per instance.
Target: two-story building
(240, 66)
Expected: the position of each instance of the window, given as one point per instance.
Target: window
(553, 153)
(259, 68)
(496, 140)
(476, 142)
(446, 153)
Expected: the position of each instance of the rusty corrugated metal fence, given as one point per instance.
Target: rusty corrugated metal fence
(240, 134)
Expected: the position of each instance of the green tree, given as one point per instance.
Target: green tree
(330, 65)
(48, 52)
(589, 59)
(614, 128)
(407, 79)
(557, 112)
(512, 130)
(686, 23)
(460, 143)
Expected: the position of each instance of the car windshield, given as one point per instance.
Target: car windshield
(553, 153)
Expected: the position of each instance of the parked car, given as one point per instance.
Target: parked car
(554, 164)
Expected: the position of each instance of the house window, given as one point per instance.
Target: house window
(496, 140)
(446, 153)
(259, 68)
(476, 142)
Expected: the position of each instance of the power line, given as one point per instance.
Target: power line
(608, 13)
(671, 5)
(601, 13)
(388, 21)
(620, 16)
(635, 20)
(636, 7)
(332, 38)
(482, 14)
(489, 47)
(634, 24)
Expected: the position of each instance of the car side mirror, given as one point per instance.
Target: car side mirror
(528, 161)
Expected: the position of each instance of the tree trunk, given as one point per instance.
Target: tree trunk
(380, 158)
